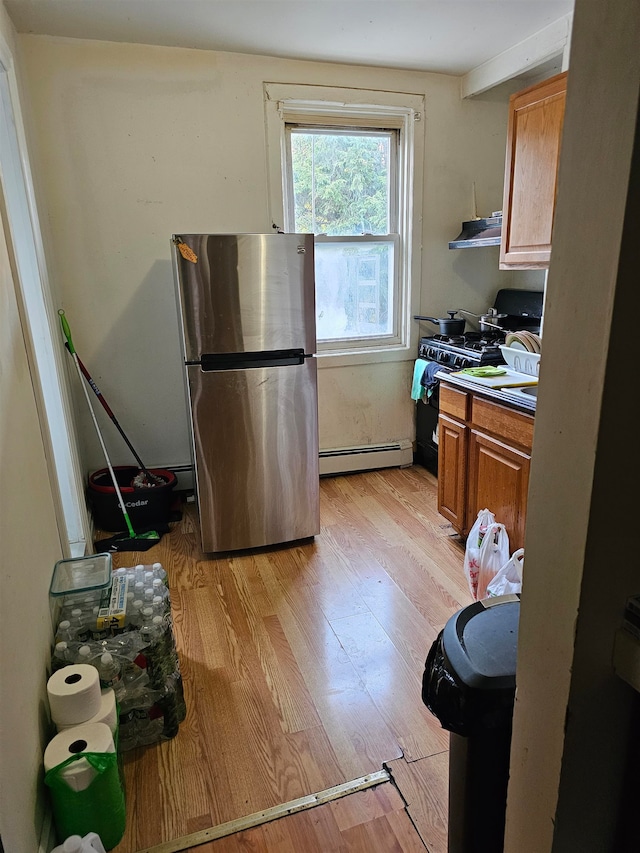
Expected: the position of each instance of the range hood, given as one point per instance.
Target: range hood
(479, 232)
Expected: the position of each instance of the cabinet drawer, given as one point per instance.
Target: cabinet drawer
(503, 422)
(454, 402)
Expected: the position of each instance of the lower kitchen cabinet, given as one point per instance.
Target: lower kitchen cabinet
(453, 440)
(484, 461)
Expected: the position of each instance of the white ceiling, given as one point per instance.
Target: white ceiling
(448, 36)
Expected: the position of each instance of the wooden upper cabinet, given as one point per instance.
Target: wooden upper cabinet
(534, 134)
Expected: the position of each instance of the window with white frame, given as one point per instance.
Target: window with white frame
(346, 176)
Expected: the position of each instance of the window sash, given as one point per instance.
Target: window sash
(330, 344)
(345, 130)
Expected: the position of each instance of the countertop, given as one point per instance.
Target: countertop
(521, 404)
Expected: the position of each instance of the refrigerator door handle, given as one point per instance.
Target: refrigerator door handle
(247, 360)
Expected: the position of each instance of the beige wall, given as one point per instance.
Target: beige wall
(30, 548)
(133, 143)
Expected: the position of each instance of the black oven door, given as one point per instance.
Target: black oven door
(426, 431)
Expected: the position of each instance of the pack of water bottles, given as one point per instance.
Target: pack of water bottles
(121, 623)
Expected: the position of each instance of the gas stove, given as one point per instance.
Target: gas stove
(472, 349)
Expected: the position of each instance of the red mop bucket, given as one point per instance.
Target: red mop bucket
(147, 507)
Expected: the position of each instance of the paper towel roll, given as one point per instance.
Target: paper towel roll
(108, 713)
(89, 737)
(74, 694)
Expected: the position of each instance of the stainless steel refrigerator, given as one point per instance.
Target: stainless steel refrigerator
(246, 304)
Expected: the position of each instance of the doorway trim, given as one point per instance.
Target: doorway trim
(39, 318)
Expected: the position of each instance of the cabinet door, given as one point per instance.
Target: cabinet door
(498, 480)
(533, 151)
(452, 470)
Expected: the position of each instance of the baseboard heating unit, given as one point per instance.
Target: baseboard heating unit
(366, 457)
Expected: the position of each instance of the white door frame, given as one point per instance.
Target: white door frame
(40, 323)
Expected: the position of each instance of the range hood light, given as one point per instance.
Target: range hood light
(479, 232)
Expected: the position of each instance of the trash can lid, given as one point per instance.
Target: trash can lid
(481, 642)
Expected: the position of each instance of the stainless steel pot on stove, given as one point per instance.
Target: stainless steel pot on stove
(450, 325)
(489, 320)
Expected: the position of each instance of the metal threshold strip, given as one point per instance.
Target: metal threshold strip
(258, 818)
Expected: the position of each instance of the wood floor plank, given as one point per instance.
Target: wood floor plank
(366, 806)
(279, 670)
(406, 834)
(297, 709)
(376, 835)
(394, 688)
(201, 628)
(355, 727)
(238, 765)
(424, 787)
(406, 624)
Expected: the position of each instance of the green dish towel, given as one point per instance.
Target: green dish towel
(418, 392)
(486, 371)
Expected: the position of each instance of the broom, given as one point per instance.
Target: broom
(146, 479)
(120, 542)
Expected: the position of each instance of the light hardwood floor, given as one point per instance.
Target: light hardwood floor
(302, 668)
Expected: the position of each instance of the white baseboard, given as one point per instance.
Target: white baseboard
(345, 460)
(337, 460)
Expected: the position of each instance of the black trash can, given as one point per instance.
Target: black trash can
(469, 685)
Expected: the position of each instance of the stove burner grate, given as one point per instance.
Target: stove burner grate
(458, 351)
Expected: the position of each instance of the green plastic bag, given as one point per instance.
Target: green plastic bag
(99, 808)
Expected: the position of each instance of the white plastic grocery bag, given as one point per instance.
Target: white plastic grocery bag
(509, 578)
(472, 551)
(494, 553)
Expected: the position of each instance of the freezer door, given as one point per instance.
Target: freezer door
(246, 293)
(255, 442)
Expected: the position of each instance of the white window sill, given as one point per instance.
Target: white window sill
(350, 357)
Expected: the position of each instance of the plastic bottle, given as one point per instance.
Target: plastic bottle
(135, 678)
(159, 605)
(132, 618)
(174, 682)
(160, 589)
(110, 673)
(149, 718)
(164, 673)
(91, 843)
(80, 625)
(65, 632)
(84, 654)
(127, 725)
(159, 572)
(60, 656)
(166, 644)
